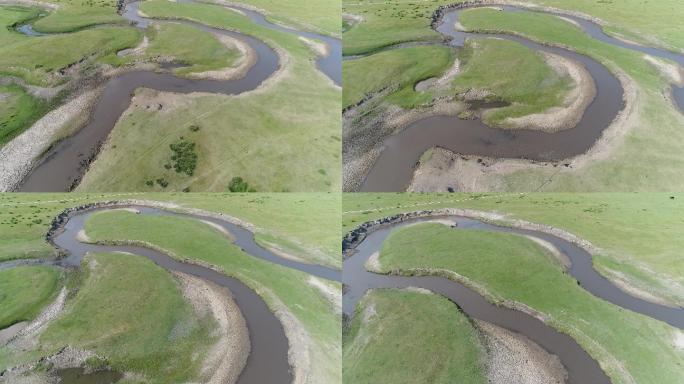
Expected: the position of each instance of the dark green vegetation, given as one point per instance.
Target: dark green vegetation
(18, 110)
(405, 336)
(239, 185)
(510, 267)
(184, 157)
(394, 72)
(24, 291)
(281, 288)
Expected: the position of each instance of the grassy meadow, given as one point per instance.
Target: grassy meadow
(192, 240)
(406, 336)
(628, 346)
(283, 137)
(24, 291)
(297, 223)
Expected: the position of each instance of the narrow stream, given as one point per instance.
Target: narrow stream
(581, 367)
(63, 166)
(393, 169)
(268, 359)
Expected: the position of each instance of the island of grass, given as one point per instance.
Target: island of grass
(411, 336)
(276, 138)
(510, 268)
(25, 291)
(106, 317)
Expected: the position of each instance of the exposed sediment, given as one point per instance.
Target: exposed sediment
(576, 100)
(514, 359)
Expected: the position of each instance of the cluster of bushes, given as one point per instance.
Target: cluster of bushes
(238, 185)
(184, 157)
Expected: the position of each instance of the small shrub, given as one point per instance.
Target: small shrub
(184, 157)
(194, 128)
(149, 183)
(162, 182)
(239, 185)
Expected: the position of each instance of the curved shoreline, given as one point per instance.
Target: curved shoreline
(278, 342)
(386, 166)
(64, 164)
(361, 246)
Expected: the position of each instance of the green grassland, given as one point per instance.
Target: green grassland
(638, 234)
(304, 225)
(284, 138)
(395, 21)
(387, 23)
(510, 71)
(321, 16)
(197, 49)
(18, 110)
(192, 240)
(36, 59)
(630, 347)
(72, 15)
(111, 315)
(403, 336)
(652, 139)
(648, 22)
(395, 70)
(24, 291)
(513, 73)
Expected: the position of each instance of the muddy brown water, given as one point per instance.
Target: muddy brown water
(268, 358)
(581, 367)
(80, 376)
(393, 169)
(63, 166)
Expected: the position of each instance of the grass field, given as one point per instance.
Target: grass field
(112, 316)
(72, 15)
(395, 21)
(283, 138)
(395, 70)
(297, 223)
(24, 291)
(653, 129)
(322, 16)
(629, 347)
(404, 336)
(189, 239)
(638, 234)
(198, 50)
(513, 73)
(18, 110)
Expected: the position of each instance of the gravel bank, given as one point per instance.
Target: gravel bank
(225, 359)
(515, 359)
(18, 157)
